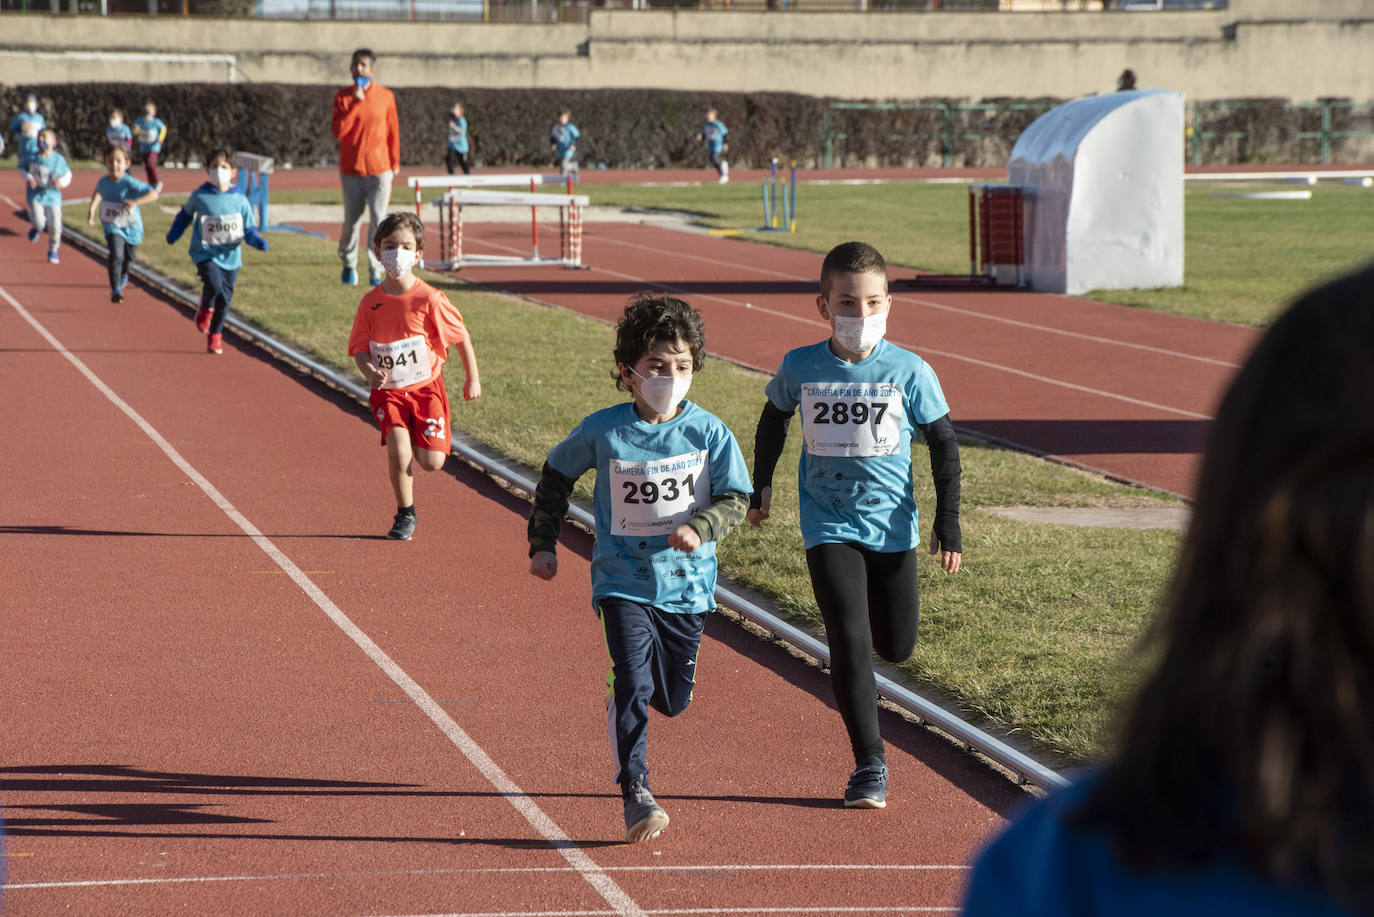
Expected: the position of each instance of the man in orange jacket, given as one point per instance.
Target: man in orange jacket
(369, 157)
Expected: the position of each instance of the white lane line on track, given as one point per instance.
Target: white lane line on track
(815, 322)
(506, 870)
(945, 307)
(620, 902)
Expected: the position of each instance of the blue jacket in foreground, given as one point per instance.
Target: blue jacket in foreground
(1042, 867)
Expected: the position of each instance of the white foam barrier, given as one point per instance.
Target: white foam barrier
(1103, 182)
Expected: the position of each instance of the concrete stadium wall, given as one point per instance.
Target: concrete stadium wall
(1286, 49)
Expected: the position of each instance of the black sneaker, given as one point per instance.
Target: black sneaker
(867, 787)
(402, 527)
(116, 296)
(644, 818)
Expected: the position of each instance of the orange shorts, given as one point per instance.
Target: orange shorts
(423, 411)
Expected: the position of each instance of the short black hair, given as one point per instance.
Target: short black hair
(364, 52)
(400, 219)
(219, 152)
(650, 318)
(851, 258)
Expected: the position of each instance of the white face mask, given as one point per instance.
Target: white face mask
(860, 335)
(398, 261)
(31, 107)
(663, 393)
(115, 122)
(223, 177)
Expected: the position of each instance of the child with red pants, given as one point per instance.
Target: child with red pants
(150, 131)
(400, 339)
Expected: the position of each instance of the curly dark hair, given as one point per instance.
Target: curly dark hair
(650, 318)
(1254, 736)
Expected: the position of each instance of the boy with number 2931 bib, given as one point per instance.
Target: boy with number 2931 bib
(670, 482)
(862, 400)
(400, 339)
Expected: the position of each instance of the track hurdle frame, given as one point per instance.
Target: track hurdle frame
(570, 249)
(780, 200)
(450, 207)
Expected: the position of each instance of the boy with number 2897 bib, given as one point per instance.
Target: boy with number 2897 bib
(400, 339)
(670, 482)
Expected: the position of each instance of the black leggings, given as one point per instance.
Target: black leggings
(121, 258)
(869, 601)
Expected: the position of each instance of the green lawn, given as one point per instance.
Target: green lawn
(1033, 638)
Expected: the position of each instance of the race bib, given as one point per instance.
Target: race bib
(148, 136)
(852, 419)
(29, 128)
(406, 361)
(655, 497)
(221, 228)
(112, 213)
(41, 174)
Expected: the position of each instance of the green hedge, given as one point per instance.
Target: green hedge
(644, 128)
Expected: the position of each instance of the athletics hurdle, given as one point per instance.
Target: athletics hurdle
(780, 200)
(454, 183)
(253, 172)
(451, 206)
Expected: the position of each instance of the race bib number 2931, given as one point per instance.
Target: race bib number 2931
(852, 419)
(655, 497)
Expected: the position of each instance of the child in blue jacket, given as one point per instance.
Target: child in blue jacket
(221, 220)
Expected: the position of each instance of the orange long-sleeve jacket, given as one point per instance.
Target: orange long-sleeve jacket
(368, 131)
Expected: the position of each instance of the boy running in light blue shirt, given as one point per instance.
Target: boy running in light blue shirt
(563, 142)
(670, 482)
(713, 132)
(221, 220)
(456, 153)
(117, 132)
(116, 200)
(150, 132)
(45, 173)
(862, 400)
(26, 127)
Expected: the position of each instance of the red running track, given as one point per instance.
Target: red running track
(226, 693)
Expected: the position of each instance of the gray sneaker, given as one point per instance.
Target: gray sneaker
(644, 818)
(867, 787)
(402, 527)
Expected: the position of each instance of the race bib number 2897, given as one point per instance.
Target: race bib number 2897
(852, 419)
(655, 497)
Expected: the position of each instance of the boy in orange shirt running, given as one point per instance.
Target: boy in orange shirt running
(400, 339)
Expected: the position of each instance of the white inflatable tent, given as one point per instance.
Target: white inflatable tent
(1103, 184)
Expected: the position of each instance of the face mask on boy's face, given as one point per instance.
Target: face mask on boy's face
(362, 82)
(398, 261)
(30, 106)
(115, 122)
(860, 334)
(44, 144)
(222, 176)
(663, 393)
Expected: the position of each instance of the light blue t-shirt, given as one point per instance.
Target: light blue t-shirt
(858, 420)
(27, 126)
(114, 219)
(46, 169)
(564, 138)
(649, 479)
(149, 131)
(458, 135)
(118, 136)
(713, 132)
(1042, 867)
(219, 220)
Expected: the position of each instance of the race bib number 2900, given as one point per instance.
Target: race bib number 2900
(852, 419)
(655, 497)
(221, 228)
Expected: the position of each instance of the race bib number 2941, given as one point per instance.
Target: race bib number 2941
(852, 419)
(655, 497)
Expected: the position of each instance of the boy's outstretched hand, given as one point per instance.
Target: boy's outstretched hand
(685, 539)
(949, 560)
(544, 564)
(472, 389)
(756, 516)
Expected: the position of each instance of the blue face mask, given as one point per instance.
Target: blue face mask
(362, 81)
(44, 146)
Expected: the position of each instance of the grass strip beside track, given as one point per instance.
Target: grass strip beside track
(1033, 637)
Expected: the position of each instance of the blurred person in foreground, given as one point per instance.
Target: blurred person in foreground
(1244, 778)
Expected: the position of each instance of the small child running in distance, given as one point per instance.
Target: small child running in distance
(670, 482)
(117, 132)
(400, 339)
(456, 149)
(150, 132)
(713, 132)
(45, 173)
(116, 199)
(862, 399)
(221, 220)
(563, 143)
